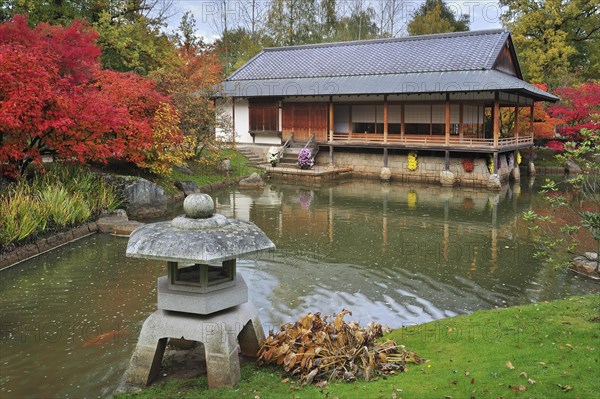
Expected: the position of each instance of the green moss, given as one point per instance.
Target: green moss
(555, 345)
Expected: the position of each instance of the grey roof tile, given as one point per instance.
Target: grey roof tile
(464, 51)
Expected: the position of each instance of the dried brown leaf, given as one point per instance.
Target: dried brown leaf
(509, 365)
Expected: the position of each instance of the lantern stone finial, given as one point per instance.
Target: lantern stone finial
(198, 206)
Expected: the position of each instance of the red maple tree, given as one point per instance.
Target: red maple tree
(55, 99)
(578, 109)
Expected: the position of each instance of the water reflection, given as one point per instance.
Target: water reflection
(397, 254)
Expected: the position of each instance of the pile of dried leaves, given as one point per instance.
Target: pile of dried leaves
(315, 349)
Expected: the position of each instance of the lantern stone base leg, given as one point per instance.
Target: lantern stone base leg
(220, 334)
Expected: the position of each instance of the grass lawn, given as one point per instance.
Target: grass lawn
(545, 350)
(208, 174)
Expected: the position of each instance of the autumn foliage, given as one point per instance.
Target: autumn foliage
(55, 99)
(578, 109)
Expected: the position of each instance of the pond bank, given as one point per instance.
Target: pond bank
(538, 350)
(45, 244)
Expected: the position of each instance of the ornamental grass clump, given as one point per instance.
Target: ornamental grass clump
(305, 159)
(65, 196)
(316, 349)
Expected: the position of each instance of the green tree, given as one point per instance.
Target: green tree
(133, 44)
(434, 16)
(558, 41)
(291, 22)
(360, 25)
(57, 12)
(237, 46)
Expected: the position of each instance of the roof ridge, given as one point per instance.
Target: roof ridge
(496, 49)
(388, 40)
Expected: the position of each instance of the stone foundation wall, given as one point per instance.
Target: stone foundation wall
(428, 167)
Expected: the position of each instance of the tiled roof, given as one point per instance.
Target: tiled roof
(448, 62)
(408, 83)
(463, 51)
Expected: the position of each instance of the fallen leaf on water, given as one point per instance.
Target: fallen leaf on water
(509, 365)
(531, 381)
(520, 388)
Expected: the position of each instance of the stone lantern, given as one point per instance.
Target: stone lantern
(202, 298)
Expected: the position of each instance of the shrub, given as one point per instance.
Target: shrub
(555, 145)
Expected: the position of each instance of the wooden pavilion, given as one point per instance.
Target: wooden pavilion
(443, 93)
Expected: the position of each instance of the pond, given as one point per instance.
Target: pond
(397, 254)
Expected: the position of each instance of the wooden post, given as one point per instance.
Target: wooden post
(233, 123)
(447, 131)
(517, 123)
(385, 157)
(430, 119)
(350, 121)
(385, 120)
(460, 121)
(330, 155)
(330, 118)
(531, 121)
(496, 118)
(402, 121)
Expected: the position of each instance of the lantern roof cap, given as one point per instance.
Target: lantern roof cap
(199, 236)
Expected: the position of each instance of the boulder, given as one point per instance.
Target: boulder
(141, 198)
(572, 167)
(252, 181)
(586, 265)
(494, 182)
(446, 178)
(108, 220)
(515, 174)
(385, 174)
(188, 187)
(531, 169)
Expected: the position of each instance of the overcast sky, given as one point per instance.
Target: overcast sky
(483, 14)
